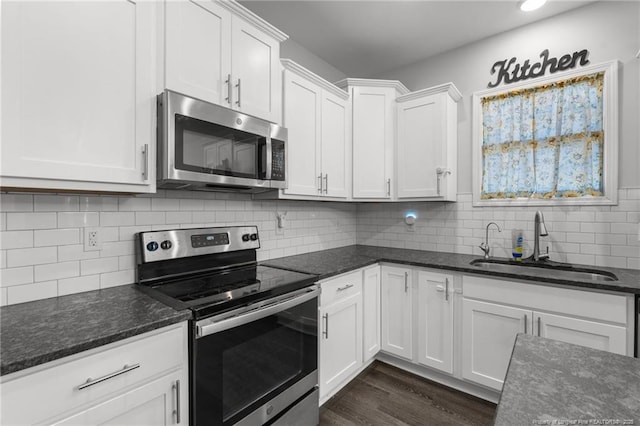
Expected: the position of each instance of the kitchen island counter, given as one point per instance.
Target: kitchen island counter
(550, 383)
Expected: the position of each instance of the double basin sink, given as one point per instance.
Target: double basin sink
(545, 268)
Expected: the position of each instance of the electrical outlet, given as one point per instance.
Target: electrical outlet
(92, 240)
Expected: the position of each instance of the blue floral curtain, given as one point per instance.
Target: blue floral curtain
(544, 142)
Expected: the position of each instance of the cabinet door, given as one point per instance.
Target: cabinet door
(373, 136)
(153, 404)
(198, 50)
(334, 145)
(435, 320)
(421, 146)
(371, 309)
(78, 95)
(591, 334)
(302, 105)
(396, 311)
(488, 334)
(255, 69)
(340, 341)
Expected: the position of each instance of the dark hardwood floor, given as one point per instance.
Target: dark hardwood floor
(385, 395)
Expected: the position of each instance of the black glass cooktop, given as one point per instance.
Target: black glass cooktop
(212, 293)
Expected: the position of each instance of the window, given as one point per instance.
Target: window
(551, 142)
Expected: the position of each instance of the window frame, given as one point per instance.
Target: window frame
(610, 143)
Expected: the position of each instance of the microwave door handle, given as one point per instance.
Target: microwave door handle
(269, 159)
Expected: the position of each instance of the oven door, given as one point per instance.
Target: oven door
(249, 366)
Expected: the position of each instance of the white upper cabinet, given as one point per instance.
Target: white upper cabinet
(316, 114)
(220, 52)
(78, 96)
(373, 134)
(427, 143)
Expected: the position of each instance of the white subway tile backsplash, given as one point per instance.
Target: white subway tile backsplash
(29, 292)
(98, 204)
(150, 218)
(16, 203)
(112, 279)
(75, 252)
(99, 266)
(18, 221)
(117, 218)
(56, 237)
(78, 219)
(54, 271)
(594, 235)
(132, 204)
(55, 203)
(16, 239)
(31, 256)
(16, 276)
(3, 296)
(78, 284)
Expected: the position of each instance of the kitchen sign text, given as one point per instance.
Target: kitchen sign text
(510, 72)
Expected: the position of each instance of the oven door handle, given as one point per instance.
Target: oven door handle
(209, 326)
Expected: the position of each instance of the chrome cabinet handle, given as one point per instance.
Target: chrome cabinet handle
(326, 326)
(238, 86)
(91, 382)
(145, 164)
(326, 183)
(229, 89)
(439, 172)
(406, 282)
(320, 186)
(388, 187)
(539, 324)
(176, 387)
(525, 324)
(346, 287)
(446, 292)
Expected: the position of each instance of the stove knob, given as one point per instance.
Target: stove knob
(152, 246)
(253, 237)
(166, 245)
(245, 237)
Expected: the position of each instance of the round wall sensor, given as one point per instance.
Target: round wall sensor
(410, 219)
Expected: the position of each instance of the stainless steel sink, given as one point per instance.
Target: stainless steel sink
(546, 269)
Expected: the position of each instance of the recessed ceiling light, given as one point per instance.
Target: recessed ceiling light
(529, 5)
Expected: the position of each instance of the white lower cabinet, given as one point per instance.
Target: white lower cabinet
(123, 383)
(435, 320)
(495, 311)
(397, 318)
(593, 334)
(488, 333)
(371, 311)
(340, 318)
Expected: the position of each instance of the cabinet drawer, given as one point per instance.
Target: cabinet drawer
(53, 392)
(341, 287)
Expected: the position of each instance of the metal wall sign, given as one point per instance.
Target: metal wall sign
(510, 72)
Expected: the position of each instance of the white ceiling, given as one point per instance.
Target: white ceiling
(368, 38)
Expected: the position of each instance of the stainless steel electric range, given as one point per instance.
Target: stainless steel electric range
(253, 338)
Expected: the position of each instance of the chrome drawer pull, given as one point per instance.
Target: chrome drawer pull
(91, 382)
(326, 326)
(346, 287)
(446, 293)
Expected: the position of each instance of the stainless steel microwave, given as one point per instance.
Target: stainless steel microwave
(202, 146)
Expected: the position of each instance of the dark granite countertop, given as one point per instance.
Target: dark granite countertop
(550, 382)
(327, 263)
(37, 332)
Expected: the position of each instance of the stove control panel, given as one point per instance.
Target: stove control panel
(179, 243)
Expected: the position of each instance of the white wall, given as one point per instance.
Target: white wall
(41, 236)
(609, 30)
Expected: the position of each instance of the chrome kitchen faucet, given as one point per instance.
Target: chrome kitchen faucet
(485, 245)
